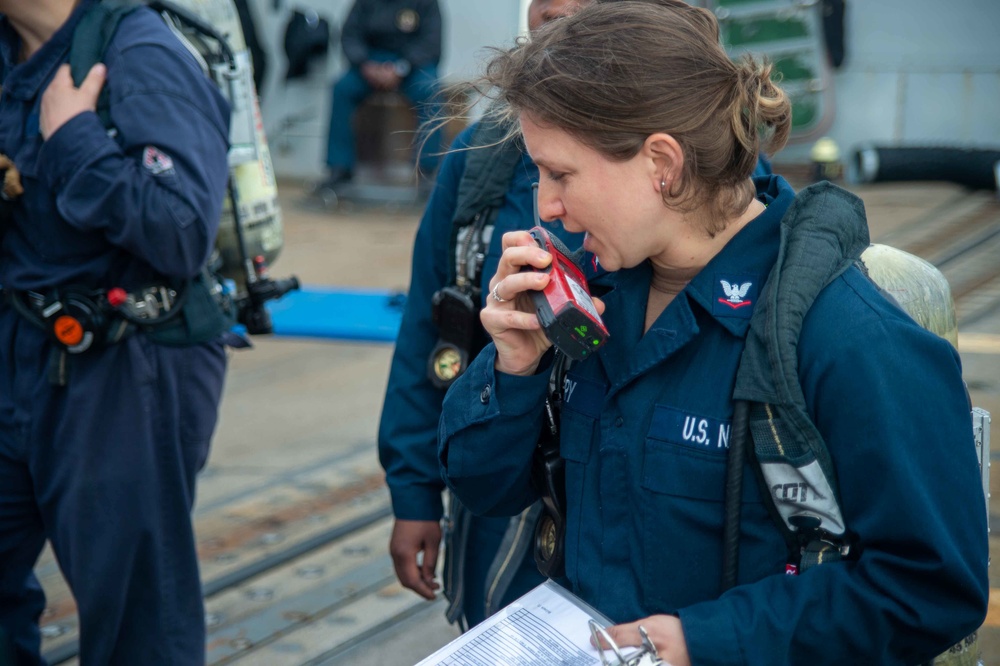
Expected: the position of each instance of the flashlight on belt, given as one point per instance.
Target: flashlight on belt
(565, 309)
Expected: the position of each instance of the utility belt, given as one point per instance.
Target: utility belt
(79, 319)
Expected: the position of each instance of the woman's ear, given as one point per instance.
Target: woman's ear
(666, 159)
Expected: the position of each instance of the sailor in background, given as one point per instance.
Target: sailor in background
(467, 221)
(390, 45)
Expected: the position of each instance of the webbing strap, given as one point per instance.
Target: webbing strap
(822, 234)
(798, 494)
(517, 542)
(489, 170)
(456, 543)
(91, 38)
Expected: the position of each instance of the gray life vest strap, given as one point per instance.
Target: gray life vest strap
(457, 525)
(823, 233)
(515, 546)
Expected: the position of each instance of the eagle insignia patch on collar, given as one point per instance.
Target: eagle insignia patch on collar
(734, 296)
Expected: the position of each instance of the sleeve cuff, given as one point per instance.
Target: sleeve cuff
(710, 636)
(518, 394)
(416, 502)
(476, 396)
(475, 399)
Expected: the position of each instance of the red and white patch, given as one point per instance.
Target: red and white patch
(735, 293)
(734, 297)
(156, 161)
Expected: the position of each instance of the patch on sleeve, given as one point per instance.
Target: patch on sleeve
(734, 295)
(156, 161)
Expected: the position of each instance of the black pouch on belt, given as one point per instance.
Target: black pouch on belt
(203, 317)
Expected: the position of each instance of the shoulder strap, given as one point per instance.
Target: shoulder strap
(489, 170)
(823, 233)
(91, 38)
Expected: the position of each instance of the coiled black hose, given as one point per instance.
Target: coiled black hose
(976, 168)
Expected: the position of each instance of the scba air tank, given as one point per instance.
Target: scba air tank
(917, 285)
(254, 189)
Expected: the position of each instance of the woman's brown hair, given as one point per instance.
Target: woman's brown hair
(617, 72)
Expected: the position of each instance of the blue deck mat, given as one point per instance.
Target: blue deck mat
(338, 313)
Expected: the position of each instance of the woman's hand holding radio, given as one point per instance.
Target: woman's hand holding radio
(510, 315)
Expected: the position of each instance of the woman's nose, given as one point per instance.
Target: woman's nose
(550, 208)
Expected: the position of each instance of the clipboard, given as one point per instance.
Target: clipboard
(549, 625)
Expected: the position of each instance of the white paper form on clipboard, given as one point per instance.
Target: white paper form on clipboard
(546, 627)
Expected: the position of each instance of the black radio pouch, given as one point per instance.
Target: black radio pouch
(203, 317)
(548, 477)
(457, 317)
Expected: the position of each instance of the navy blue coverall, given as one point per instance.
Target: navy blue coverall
(105, 466)
(645, 434)
(408, 429)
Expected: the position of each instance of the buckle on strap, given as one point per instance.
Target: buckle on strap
(816, 545)
(145, 305)
(73, 317)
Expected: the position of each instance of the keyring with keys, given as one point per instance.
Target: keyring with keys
(646, 656)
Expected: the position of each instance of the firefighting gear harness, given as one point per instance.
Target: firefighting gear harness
(488, 172)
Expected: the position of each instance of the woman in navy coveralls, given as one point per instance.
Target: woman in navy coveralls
(645, 134)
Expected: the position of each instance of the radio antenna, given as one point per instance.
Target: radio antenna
(534, 201)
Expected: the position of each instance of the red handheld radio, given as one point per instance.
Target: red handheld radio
(565, 308)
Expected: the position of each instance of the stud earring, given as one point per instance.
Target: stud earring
(663, 185)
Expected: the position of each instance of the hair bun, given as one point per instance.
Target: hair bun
(764, 107)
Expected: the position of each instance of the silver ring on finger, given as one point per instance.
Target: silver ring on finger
(496, 295)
